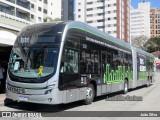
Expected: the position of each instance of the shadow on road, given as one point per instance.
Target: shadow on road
(55, 108)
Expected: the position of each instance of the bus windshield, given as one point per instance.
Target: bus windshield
(33, 61)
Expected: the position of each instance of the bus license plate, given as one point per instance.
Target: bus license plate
(23, 98)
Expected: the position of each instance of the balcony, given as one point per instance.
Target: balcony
(23, 3)
(13, 22)
(7, 9)
(12, 1)
(23, 14)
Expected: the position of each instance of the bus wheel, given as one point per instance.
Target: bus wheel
(90, 94)
(125, 87)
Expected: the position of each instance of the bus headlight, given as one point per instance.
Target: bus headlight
(49, 88)
(48, 91)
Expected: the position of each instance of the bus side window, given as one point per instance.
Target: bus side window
(69, 64)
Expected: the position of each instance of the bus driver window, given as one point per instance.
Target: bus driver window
(66, 68)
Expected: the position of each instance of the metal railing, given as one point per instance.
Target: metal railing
(14, 18)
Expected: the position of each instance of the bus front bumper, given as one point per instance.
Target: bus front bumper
(42, 99)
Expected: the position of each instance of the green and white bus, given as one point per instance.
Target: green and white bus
(63, 62)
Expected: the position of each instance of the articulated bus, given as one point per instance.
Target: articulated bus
(63, 62)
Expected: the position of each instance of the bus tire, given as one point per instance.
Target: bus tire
(90, 94)
(125, 87)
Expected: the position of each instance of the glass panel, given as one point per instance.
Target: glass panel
(7, 8)
(31, 62)
(24, 3)
(69, 62)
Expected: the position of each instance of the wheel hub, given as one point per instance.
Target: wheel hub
(89, 93)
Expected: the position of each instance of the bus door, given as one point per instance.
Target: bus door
(106, 86)
(69, 71)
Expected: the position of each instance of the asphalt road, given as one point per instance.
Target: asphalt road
(150, 97)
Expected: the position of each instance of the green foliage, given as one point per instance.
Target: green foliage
(139, 42)
(153, 44)
(49, 19)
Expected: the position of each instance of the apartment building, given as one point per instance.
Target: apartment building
(155, 22)
(140, 20)
(110, 16)
(15, 14)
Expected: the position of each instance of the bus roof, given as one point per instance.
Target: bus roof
(144, 52)
(84, 27)
(97, 32)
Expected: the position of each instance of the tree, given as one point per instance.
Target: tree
(49, 19)
(153, 44)
(139, 42)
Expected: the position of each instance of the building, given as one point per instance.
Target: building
(155, 22)
(67, 10)
(64, 9)
(140, 20)
(110, 16)
(15, 14)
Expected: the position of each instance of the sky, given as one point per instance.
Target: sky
(154, 3)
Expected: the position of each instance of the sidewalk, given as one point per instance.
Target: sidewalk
(2, 98)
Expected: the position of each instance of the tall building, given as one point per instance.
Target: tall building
(63, 9)
(110, 16)
(140, 20)
(155, 22)
(67, 10)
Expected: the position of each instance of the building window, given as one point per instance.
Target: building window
(100, 27)
(32, 5)
(39, 19)
(89, 9)
(32, 16)
(79, 16)
(39, 8)
(109, 18)
(89, 21)
(45, 11)
(79, 3)
(89, 3)
(79, 10)
(90, 15)
(45, 1)
(100, 1)
(109, 32)
(100, 14)
(100, 7)
(101, 20)
(40, 0)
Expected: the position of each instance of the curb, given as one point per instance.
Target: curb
(5, 101)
